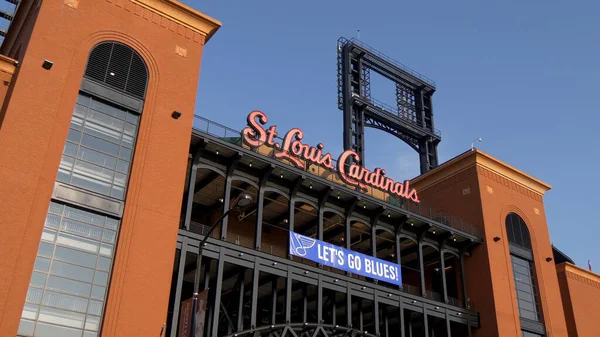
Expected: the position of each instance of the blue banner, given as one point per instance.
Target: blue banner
(344, 259)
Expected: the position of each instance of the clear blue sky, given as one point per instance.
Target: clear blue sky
(520, 74)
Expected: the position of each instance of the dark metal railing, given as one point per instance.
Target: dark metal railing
(392, 61)
(201, 229)
(235, 137)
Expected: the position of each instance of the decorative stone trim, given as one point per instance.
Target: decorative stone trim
(159, 19)
(482, 171)
(582, 279)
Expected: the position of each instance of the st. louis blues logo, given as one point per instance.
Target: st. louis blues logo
(299, 244)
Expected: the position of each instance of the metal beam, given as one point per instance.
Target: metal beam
(323, 197)
(260, 205)
(191, 184)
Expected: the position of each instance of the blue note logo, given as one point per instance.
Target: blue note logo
(301, 244)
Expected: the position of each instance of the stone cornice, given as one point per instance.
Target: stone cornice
(178, 13)
(579, 274)
(514, 178)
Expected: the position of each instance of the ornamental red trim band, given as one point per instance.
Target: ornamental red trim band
(292, 149)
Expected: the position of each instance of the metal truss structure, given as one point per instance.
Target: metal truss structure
(411, 120)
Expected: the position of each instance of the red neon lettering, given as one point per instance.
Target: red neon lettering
(254, 134)
(296, 152)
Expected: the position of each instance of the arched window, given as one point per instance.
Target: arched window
(521, 256)
(119, 67)
(72, 270)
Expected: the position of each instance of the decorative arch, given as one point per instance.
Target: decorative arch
(427, 244)
(118, 66)
(517, 231)
(278, 191)
(513, 209)
(406, 236)
(354, 218)
(451, 252)
(211, 168)
(301, 330)
(244, 179)
(308, 202)
(385, 228)
(334, 211)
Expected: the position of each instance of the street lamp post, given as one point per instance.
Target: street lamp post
(243, 200)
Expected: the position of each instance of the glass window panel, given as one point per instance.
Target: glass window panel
(520, 261)
(111, 224)
(52, 221)
(55, 208)
(90, 334)
(80, 111)
(90, 184)
(123, 166)
(108, 109)
(132, 118)
(120, 179)
(106, 250)
(109, 236)
(72, 272)
(77, 123)
(74, 136)
(30, 311)
(68, 286)
(50, 330)
(95, 308)
(38, 279)
(127, 141)
(125, 153)
(524, 279)
(100, 145)
(526, 305)
(26, 328)
(98, 292)
(77, 242)
(34, 295)
(63, 177)
(67, 302)
(102, 132)
(521, 270)
(92, 323)
(117, 192)
(84, 216)
(70, 149)
(101, 278)
(75, 257)
(41, 264)
(94, 171)
(49, 235)
(130, 130)
(65, 169)
(82, 229)
(528, 314)
(106, 121)
(523, 286)
(97, 158)
(83, 99)
(525, 295)
(46, 249)
(103, 263)
(529, 334)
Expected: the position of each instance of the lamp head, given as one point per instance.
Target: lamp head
(244, 200)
